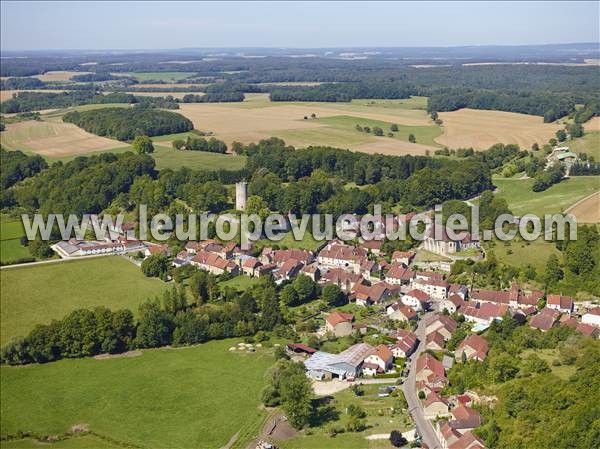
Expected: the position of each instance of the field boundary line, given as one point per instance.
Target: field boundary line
(574, 205)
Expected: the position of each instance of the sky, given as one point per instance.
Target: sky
(161, 25)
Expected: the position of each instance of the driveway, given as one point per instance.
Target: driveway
(424, 427)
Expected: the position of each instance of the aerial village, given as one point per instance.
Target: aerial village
(410, 308)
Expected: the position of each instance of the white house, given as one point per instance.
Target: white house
(592, 317)
(381, 357)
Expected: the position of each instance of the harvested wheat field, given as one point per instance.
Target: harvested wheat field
(54, 139)
(587, 210)
(592, 124)
(167, 85)
(257, 118)
(481, 129)
(58, 75)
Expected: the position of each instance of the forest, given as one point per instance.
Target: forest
(127, 123)
(35, 101)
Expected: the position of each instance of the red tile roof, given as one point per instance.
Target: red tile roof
(478, 344)
(336, 318)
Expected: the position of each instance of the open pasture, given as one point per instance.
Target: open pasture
(557, 199)
(192, 397)
(167, 157)
(54, 139)
(481, 129)
(11, 231)
(38, 294)
(589, 143)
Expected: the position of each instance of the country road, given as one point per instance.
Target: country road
(423, 426)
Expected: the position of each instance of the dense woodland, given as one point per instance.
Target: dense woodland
(127, 123)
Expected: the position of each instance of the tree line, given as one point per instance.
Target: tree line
(127, 123)
(203, 312)
(33, 101)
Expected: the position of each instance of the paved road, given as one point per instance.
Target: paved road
(424, 427)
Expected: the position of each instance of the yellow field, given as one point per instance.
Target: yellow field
(481, 129)
(592, 125)
(587, 210)
(54, 139)
(258, 118)
(59, 75)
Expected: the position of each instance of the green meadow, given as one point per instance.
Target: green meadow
(192, 397)
(522, 200)
(38, 294)
(11, 231)
(424, 134)
(167, 157)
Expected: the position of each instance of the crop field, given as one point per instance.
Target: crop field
(587, 210)
(162, 398)
(481, 129)
(558, 198)
(58, 76)
(167, 85)
(38, 294)
(168, 77)
(167, 157)
(54, 139)
(258, 118)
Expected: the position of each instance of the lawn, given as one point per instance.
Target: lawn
(167, 77)
(38, 294)
(424, 134)
(240, 283)
(11, 231)
(522, 200)
(379, 420)
(167, 157)
(165, 398)
(308, 241)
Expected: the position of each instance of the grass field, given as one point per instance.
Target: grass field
(166, 157)
(78, 442)
(168, 77)
(195, 397)
(240, 283)
(11, 231)
(38, 294)
(520, 253)
(589, 143)
(424, 134)
(481, 129)
(379, 420)
(549, 355)
(522, 200)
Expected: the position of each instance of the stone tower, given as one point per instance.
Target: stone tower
(241, 195)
